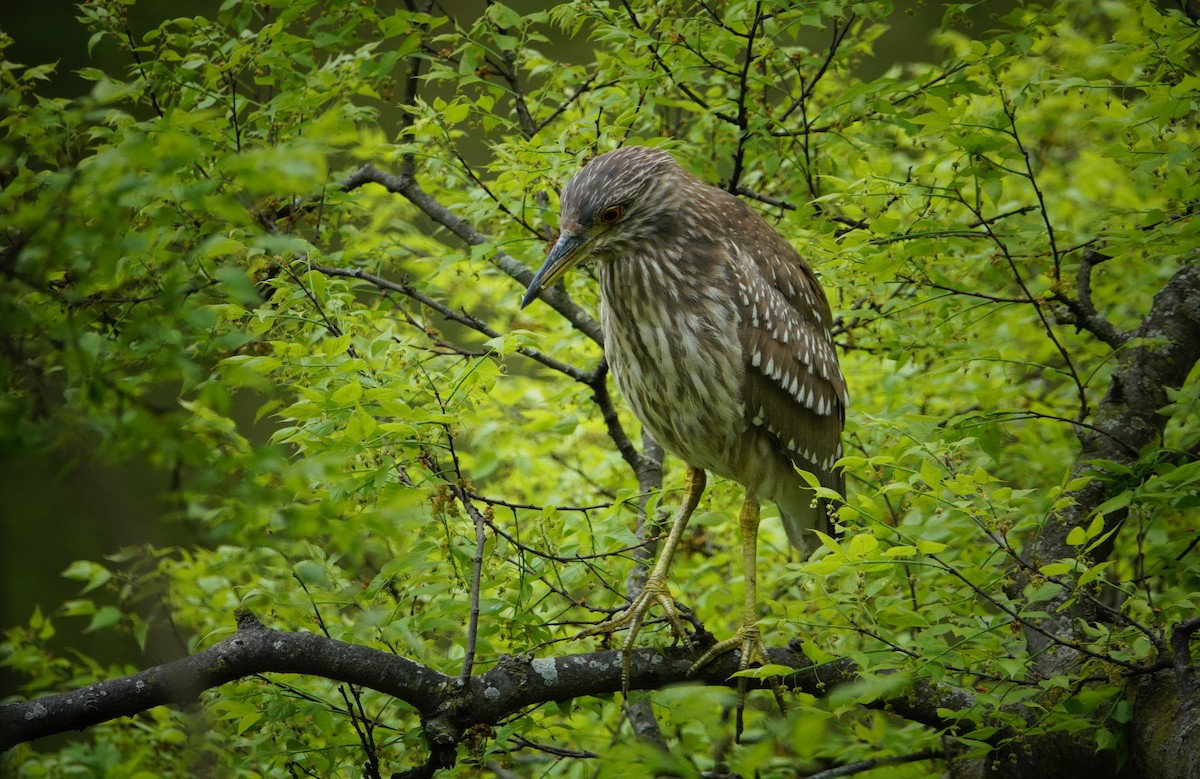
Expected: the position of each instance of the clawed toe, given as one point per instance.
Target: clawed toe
(748, 641)
(653, 593)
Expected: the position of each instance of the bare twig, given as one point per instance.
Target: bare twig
(460, 317)
(470, 173)
(760, 197)
(1047, 327)
(608, 411)
(535, 507)
(523, 743)
(142, 69)
(330, 326)
(739, 153)
(581, 90)
(1011, 113)
(809, 86)
(1068, 644)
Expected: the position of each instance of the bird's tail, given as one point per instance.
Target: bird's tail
(802, 511)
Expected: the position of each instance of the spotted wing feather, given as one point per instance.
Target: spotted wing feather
(793, 386)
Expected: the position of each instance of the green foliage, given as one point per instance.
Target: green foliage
(169, 298)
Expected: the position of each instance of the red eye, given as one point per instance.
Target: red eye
(611, 214)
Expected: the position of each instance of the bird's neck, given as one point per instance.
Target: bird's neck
(637, 281)
(655, 275)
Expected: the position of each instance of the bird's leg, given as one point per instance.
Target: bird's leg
(748, 638)
(654, 590)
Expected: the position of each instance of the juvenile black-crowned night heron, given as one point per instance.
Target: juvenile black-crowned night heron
(718, 334)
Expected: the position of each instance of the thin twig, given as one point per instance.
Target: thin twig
(405, 184)
(581, 90)
(460, 317)
(523, 743)
(760, 197)
(535, 507)
(1011, 113)
(1074, 646)
(608, 412)
(359, 720)
(476, 581)
(869, 765)
(739, 154)
(142, 69)
(1081, 390)
(809, 86)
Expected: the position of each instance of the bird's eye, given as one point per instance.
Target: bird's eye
(611, 214)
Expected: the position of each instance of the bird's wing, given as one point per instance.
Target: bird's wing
(793, 386)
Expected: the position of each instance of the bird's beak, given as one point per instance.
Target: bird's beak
(566, 254)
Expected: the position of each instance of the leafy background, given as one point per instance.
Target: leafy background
(244, 422)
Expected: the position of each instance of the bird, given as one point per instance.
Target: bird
(719, 336)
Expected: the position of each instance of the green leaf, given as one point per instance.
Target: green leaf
(1116, 503)
(92, 574)
(1093, 573)
(238, 285)
(1077, 537)
(826, 565)
(348, 393)
(504, 17)
(105, 617)
(862, 545)
(930, 547)
(455, 113)
(1057, 569)
(931, 474)
(311, 573)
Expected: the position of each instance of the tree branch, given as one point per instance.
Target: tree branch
(640, 464)
(739, 153)
(448, 707)
(251, 650)
(406, 185)
(461, 317)
(1162, 352)
(1082, 311)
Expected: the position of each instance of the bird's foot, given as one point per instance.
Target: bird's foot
(654, 592)
(748, 641)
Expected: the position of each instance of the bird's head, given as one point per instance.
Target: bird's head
(613, 201)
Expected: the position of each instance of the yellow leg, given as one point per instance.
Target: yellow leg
(655, 589)
(748, 638)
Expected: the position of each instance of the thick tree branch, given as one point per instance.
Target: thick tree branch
(448, 707)
(1081, 310)
(1161, 353)
(252, 649)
